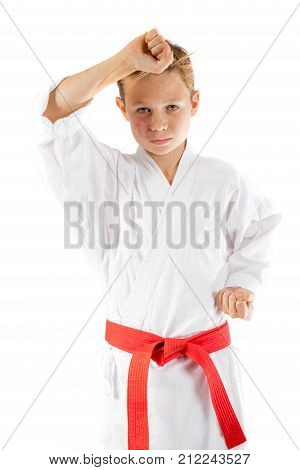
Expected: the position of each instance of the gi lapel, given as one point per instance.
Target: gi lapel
(152, 187)
(135, 310)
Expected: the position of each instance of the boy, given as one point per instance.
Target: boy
(172, 275)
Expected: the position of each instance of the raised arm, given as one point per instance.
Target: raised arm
(77, 90)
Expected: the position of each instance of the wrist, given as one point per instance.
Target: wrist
(125, 62)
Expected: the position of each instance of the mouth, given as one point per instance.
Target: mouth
(160, 141)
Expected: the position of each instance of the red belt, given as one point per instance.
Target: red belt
(145, 346)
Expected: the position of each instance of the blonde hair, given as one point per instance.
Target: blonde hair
(181, 64)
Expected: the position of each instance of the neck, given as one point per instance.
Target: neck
(169, 162)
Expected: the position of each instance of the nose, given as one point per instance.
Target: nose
(158, 123)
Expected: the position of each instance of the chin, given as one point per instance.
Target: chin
(160, 149)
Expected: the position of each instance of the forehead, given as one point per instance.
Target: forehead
(156, 87)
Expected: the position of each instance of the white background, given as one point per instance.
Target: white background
(48, 293)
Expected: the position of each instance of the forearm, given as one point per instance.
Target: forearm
(78, 89)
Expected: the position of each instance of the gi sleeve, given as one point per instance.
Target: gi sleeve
(60, 154)
(251, 219)
(69, 155)
(79, 170)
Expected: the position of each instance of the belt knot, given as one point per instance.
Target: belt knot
(168, 349)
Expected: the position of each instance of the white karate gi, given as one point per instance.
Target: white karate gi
(167, 292)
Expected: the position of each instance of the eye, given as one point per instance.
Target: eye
(168, 107)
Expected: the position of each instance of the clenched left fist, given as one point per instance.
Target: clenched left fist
(235, 301)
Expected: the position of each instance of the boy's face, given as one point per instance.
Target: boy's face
(159, 107)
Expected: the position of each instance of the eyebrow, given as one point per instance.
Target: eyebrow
(165, 102)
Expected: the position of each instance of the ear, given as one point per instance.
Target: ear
(121, 105)
(195, 102)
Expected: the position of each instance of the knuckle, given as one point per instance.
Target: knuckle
(154, 31)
